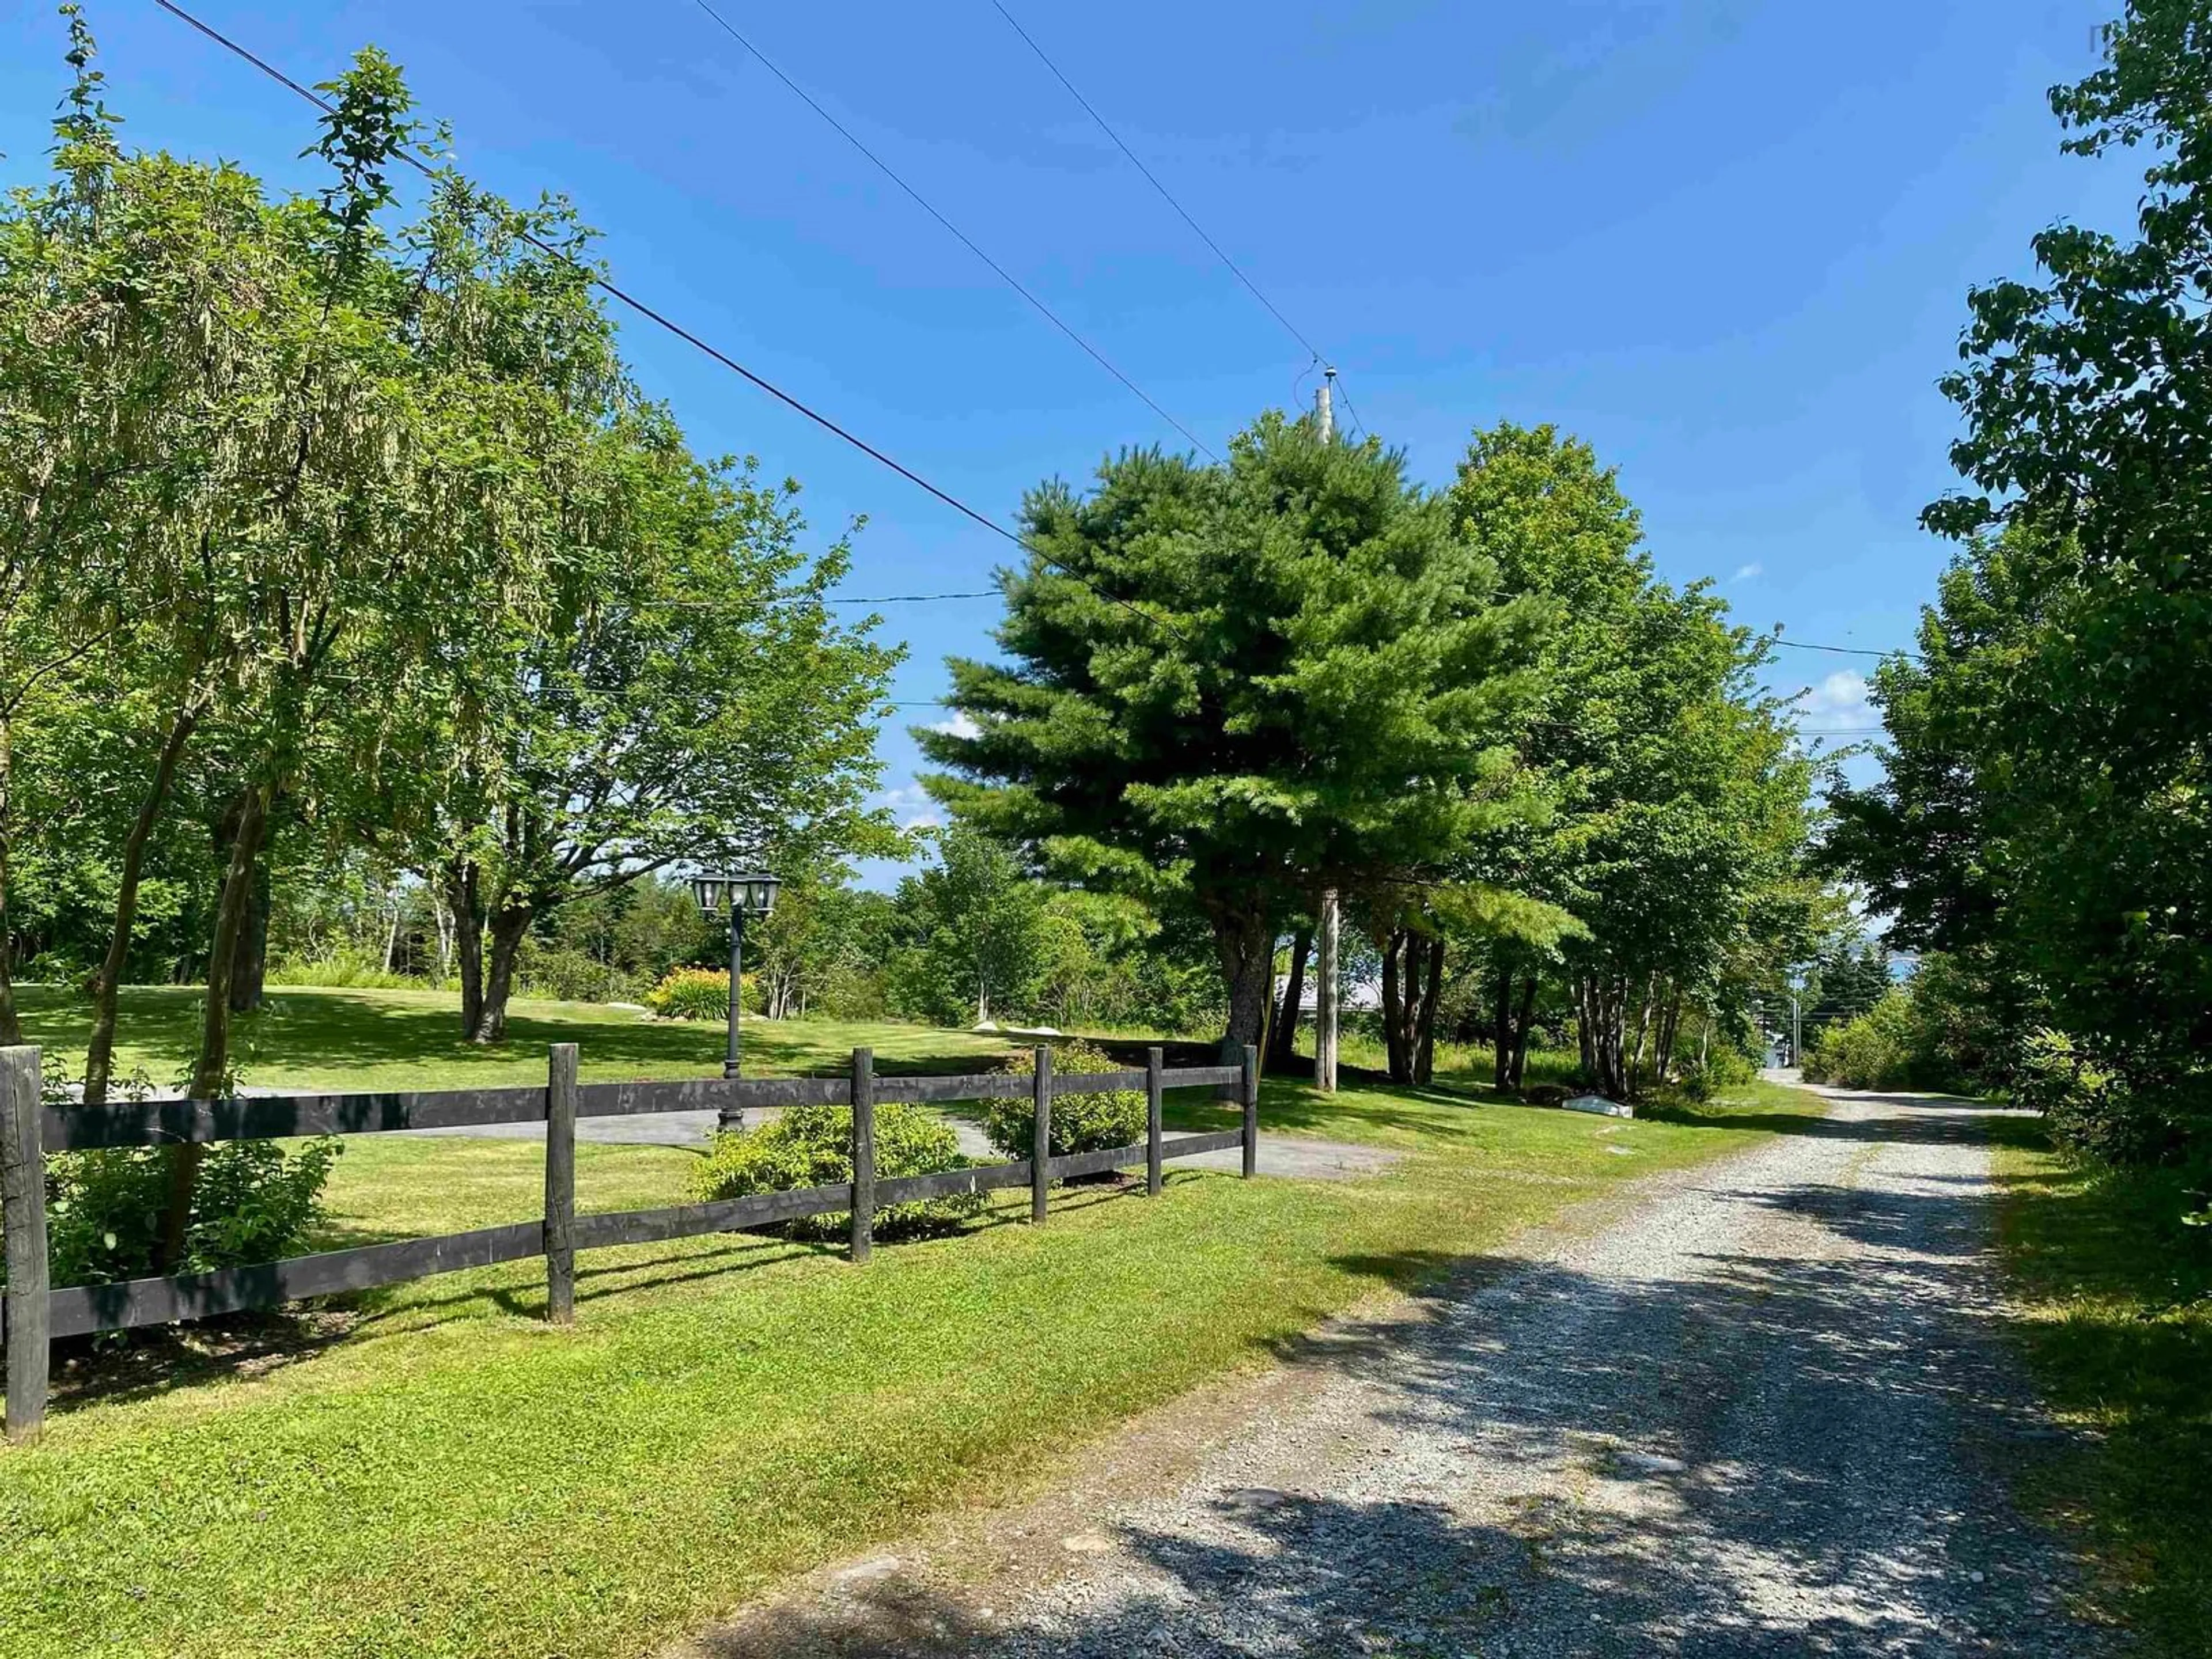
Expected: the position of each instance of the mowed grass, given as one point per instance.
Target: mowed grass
(313, 1038)
(433, 1470)
(2117, 1301)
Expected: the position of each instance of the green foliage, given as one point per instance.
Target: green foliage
(1678, 800)
(255, 1202)
(1080, 1122)
(812, 1146)
(695, 993)
(2045, 801)
(1877, 1049)
(1226, 685)
(976, 928)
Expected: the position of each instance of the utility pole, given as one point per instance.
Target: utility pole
(1332, 919)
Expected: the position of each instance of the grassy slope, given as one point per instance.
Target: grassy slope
(353, 1039)
(440, 1472)
(2119, 1303)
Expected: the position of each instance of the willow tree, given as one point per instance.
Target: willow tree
(1227, 687)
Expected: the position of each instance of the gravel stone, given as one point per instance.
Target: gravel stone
(1755, 1408)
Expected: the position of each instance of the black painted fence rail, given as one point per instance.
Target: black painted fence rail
(33, 1315)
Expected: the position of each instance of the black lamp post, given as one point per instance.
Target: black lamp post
(749, 895)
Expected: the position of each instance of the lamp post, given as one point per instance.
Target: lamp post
(752, 893)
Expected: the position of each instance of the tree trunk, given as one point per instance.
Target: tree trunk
(211, 1071)
(1522, 1027)
(11, 1028)
(464, 903)
(1244, 943)
(1396, 1058)
(509, 928)
(442, 918)
(107, 983)
(1424, 1034)
(1501, 1030)
(1586, 1025)
(1283, 1042)
(249, 970)
(1609, 994)
(1670, 1023)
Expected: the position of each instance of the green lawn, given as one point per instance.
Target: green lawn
(432, 1470)
(2117, 1299)
(309, 1038)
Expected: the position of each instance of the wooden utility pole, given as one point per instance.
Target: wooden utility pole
(1331, 922)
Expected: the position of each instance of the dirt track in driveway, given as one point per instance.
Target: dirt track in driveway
(1755, 1408)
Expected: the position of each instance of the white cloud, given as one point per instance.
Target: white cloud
(910, 807)
(1837, 703)
(958, 726)
(1744, 573)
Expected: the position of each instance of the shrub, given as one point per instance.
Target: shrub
(812, 1146)
(351, 969)
(2097, 1113)
(698, 993)
(1080, 1123)
(254, 1202)
(561, 973)
(1880, 1048)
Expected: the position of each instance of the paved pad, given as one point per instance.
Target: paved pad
(1300, 1156)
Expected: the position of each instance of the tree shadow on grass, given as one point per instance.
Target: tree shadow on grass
(334, 1028)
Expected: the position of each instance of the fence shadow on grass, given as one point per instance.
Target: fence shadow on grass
(158, 1359)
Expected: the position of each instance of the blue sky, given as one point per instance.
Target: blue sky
(1727, 243)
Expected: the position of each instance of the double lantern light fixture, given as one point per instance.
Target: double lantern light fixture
(751, 894)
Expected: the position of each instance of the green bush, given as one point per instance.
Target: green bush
(1880, 1048)
(698, 993)
(254, 1203)
(561, 973)
(2096, 1112)
(812, 1146)
(353, 970)
(1080, 1123)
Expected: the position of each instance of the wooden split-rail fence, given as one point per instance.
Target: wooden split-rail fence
(34, 1314)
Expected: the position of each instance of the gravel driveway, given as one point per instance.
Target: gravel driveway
(1755, 1409)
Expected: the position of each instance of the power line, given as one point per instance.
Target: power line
(920, 599)
(605, 285)
(1842, 650)
(1153, 180)
(1348, 408)
(959, 234)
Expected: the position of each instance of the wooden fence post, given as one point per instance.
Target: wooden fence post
(23, 1214)
(561, 1183)
(1250, 1091)
(1154, 1063)
(1041, 1154)
(864, 1153)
